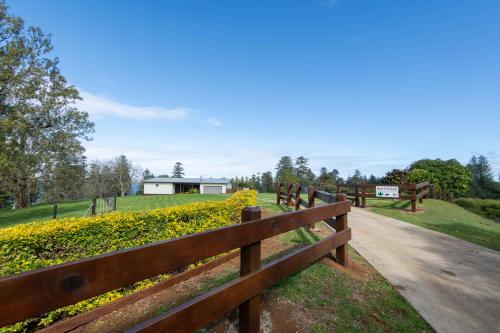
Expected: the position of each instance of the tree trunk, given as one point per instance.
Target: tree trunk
(19, 194)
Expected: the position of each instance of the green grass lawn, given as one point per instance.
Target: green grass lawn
(443, 217)
(78, 208)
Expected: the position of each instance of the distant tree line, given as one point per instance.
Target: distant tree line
(450, 178)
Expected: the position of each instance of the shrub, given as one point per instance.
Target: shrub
(488, 208)
(40, 244)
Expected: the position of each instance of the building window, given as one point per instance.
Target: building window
(157, 185)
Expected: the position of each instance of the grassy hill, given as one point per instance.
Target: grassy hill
(443, 217)
(78, 208)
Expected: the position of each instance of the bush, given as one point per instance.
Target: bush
(40, 244)
(488, 208)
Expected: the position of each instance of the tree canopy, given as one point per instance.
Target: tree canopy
(40, 126)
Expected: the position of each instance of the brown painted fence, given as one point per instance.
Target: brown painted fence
(412, 192)
(36, 292)
(293, 194)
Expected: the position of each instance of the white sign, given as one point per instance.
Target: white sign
(387, 191)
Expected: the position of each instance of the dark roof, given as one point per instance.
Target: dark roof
(189, 180)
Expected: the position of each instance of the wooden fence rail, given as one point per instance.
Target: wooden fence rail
(338, 223)
(356, 192)
(412, 192)
(36, 292)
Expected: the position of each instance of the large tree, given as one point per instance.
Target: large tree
(39, 122)
(451, 178)
(124, 173)
(482, 184)
(267, 182)
(285, 171)
(178, 170)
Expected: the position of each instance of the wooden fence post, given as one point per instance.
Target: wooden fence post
(278, 193)
(310, 202)
(114, 202)
(289, 194)
(297, 197)
(363, 197)
(250, 261)
(94, 201)
(341, 253)
(54, 212)
(414, 200)
(356, 195)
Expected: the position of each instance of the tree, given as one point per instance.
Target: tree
(335, 175)
(324, 180)
(65, 180)
(301, 169)
(38, 117)
(146, 174)
(267, 182)
(124, 172)
(373, 180)
(102, 180)
(395, 177)
(285, 171)
(357, 178)
(451, 178)
(482, 184)
(178, 170)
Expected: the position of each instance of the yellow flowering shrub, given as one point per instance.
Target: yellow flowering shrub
(40, 244)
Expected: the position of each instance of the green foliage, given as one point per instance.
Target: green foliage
(285, 170)
(41, 244)
(178, 170)
(482, 184)
(488, 208)
(267, 182)
(451, 178)
(395, 176)
(416, 176)
(40, 127)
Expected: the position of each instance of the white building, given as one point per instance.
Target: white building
(183, 185)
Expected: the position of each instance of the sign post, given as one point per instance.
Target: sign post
(387, 191)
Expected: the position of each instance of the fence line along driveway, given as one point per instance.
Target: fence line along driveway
(453, 284)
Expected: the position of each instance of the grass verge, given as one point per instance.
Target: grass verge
(444, 217)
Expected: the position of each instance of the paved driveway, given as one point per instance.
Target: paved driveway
(453, 284)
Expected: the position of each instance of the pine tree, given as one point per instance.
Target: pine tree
(178, 170)
(285, 171)
(267, 182)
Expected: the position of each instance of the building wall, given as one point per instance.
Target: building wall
(202, 187)
(162, 188)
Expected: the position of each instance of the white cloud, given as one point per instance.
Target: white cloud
(102, 106)
(214, 121)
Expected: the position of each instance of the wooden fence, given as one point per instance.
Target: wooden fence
(36, 292)
(290, 194)
(412, 192)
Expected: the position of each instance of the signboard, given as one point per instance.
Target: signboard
(387, 191)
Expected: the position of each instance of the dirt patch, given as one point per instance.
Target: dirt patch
(355, 269)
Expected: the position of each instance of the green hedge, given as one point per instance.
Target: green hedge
(29, 246)
(488, 208)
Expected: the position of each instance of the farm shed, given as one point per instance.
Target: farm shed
(161, 185)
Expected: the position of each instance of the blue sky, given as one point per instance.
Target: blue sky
(227, 87)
